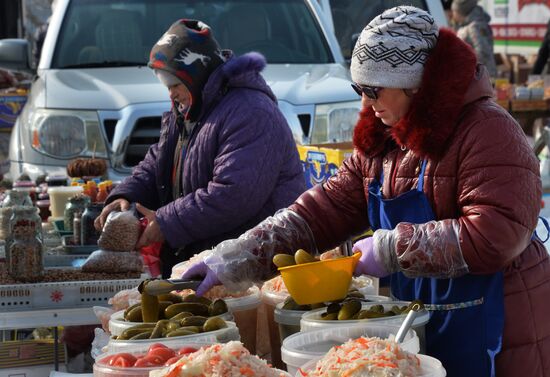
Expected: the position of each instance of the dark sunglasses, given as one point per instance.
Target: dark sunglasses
(370, 91)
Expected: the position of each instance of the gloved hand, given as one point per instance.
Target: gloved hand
(368, 264)
(200, 269)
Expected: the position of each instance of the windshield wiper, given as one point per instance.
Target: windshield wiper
(114, 63)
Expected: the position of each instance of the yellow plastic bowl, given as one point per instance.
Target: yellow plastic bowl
(315, 282)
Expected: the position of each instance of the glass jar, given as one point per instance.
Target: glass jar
(89, 233)
(12, 198)
(24, 252)
(57, 180)
(76, 203)
(26, 186)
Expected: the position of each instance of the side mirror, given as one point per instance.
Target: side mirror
(14, 55)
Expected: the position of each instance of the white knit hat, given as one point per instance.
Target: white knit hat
(393, 48)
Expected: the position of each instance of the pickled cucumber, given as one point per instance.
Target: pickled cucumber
(134, 315)
(349, 309)
(143, 335)
(283, 260)
(172, 297)
(302, 256)
(194, 298)
(179, 332)
(149, 304)
(214, 323)
(195, 320)
(217, 307)
(193, 307)
(127, 310)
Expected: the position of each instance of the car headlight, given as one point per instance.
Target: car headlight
(66, 134)
(334, 122)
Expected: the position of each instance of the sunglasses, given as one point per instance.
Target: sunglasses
(370, 91)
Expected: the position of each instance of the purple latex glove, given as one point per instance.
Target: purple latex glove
(201, 270)
(367, 264)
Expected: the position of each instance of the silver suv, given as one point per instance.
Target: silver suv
(94, 95)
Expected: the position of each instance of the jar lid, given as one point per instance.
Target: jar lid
(23, 184)
(56, 180)
(43, 203)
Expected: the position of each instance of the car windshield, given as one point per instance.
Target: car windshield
(351, 16)
(106, 33)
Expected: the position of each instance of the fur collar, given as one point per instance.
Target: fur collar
(435, 109)
(251, 61)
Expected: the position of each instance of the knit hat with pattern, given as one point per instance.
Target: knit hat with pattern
(189, 52)
(393, 48)
(464, 7)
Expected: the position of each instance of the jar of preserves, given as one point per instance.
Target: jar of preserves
(89, 233)
(24, 252)
(12, 198)
(77, 203)
(26, 186)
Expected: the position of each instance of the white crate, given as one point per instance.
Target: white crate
(72, 294)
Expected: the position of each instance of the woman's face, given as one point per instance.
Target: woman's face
(180, 95)
(391, 104)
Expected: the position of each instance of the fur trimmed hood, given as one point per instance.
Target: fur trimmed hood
(450, 81)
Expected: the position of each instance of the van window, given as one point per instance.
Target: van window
(117, 33)
(351, 16)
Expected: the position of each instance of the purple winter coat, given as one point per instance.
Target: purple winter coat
(241, 164)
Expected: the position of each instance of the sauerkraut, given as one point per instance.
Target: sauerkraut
(219, 360)
(362, 357)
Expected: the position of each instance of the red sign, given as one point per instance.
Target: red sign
(519, 32)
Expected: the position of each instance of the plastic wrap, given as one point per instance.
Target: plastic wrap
(113, 262)
(121, 231)
(240, 262)
(104, 315)
(431, 249)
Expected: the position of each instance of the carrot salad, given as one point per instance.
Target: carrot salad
(219, 360)
(362, 357)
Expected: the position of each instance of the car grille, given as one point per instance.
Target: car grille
(146, 133)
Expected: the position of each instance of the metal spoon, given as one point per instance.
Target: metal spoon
(407, 323)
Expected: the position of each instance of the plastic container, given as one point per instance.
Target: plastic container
(59, 196)
(312, 320)
(270, 299)
(288, 321)
(117, 324)
(26, 186)
(231, 332)
(302, 347)
(322, 281)
(56, 180)
(431, 367)
(245, 312)
(101, 370)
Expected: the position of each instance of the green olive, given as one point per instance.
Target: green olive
(283, 260)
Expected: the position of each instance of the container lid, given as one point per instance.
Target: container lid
(57, 180)
(43, 203)
(274, 298)
(251, 301)
(297, 349)
(288, 317)
(64, 189)
(24, 184)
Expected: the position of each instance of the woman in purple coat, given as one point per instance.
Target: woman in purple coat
(226, 157)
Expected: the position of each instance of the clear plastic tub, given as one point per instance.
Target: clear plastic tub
(312, 320)
(270, 299)
(231, 332)
(101, 370)
(288, 321)
(59, 196)
(302, 347)
(431, 367)
(245, 313)
(117, 324)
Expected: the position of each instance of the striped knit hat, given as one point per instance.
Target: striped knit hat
(393, 48)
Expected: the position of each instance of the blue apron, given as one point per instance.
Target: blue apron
(466, 313)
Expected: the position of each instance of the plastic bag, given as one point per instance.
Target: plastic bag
(104, 315)
(113, 262)
(99, 344)
(121, 231)
(125, 298)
